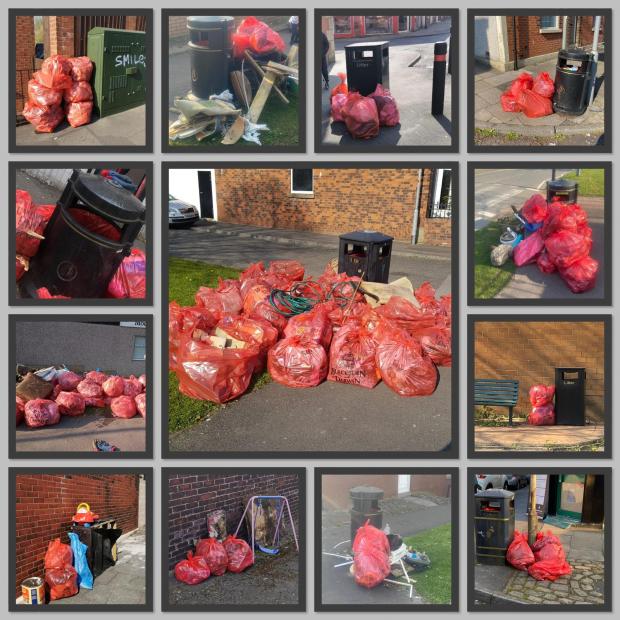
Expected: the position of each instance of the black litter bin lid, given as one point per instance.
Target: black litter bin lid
(575, 53)
(364, 492)
(208, 22)
(495, 493)
(366, 236)
(368, 44)
(108, 199)
(562, 184)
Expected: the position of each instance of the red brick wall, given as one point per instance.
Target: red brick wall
(45, 504)
(61, 35)
(530, 351)
(435, 484)
(191, 497)
(432, 230)
(24, 54)
(531, 42)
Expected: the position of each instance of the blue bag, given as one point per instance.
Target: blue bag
(80, 562)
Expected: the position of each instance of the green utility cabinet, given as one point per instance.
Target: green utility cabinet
(119, 74)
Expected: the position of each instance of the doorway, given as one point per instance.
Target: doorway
(403, 23)
(206, 194)
(404, 484)
(570, 495)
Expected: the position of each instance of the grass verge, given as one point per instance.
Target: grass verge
(435, 584)
(489, 280)
(591, 181)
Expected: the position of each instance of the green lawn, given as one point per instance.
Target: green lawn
(489, 280)
(591, 181)
(184, 278)
(281, 118)
(435, 584)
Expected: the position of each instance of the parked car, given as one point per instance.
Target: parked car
(517, 481)
(491, 481)
(181, 214)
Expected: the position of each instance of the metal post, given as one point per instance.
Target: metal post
(439, 78)
(564, 33)
(532, 516)
(597, 27)
(450, 53)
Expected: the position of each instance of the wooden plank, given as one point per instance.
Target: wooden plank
(260, 72)
(292, 60)
(241, 86)
(235, 131)
(259, 101)
(282, 68)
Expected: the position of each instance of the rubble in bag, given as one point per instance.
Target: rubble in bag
(403, 314)
(123, 407)
(550, 558)
(297, 362)
(371, 553)
(519, 553)
(239, 554)
(132, 386)
(213, 551)
(41, 412)
(352, 356)
(70, 403)
(361, 116)
(292, 270)
(264, 310)
(314, 325)
(386, 107)
(113, 386)
(61, 582)
(193, 570)
(68, 381)
(96, 376)
(224, 300)
(89, 389)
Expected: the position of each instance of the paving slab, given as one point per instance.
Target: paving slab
(525, 437)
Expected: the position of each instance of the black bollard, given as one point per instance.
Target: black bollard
(439, 78)
(450, 53)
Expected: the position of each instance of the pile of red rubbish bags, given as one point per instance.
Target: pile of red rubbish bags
(561, 242)
(544, 560)
(256, 37)
(70, 394)
(371, 556)
(61, 578)
(31, 220)
(543, 409)
(59, 80)
(531, 95)
(345, 341)
(213, 558)
(363, 116)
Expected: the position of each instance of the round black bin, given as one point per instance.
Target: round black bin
(365, 507)
(573, 80)
(563, 190)
(210, 45)
(92, 229)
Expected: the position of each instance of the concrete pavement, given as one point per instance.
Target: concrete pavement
(126, 128)
(411, 86)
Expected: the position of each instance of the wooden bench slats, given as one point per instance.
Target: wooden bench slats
(498, 392)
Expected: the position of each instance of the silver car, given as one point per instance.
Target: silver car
(180, 213)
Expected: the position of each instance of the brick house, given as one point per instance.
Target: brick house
(192, 496)
(411, 205)
(531, 38)
(62, 34)
(354, 26)
(530, 351)
(45, 504)
(335, 487)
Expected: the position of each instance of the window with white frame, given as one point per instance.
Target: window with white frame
(549, 23)
(302, 181)
(440, 204)
(139, 349)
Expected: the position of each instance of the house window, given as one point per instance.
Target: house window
(302, 181)
(139, 349)
(378, 24)
(440, 205)
(549, 23)
(343, 24)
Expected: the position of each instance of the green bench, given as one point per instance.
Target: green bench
(498, 393)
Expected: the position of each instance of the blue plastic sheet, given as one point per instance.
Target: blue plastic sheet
(80, 562)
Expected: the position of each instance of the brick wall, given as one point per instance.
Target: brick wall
(191, 497)
(531, 42)
(24, 58)
(61, 35)
(530, 351)
(45, 504)
(439, 485)
(432, 230)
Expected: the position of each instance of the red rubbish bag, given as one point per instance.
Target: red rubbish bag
(254, 271)
(77, 92)
(140, 401)
(404, 368)
(297, 362)
(313, 325)
(58, 554)
(89, 389)
(581, 275)
(257, 37)
(404, 315)
(81, 68)
(292, 270)
(62, 582)
(519, 553)
(341, 88)
(253, 331)
(213, 551)
(535, 209)
(54, 71)
(218, 375)
(543, 85)
(361, 116)
(41, 412)
(96, 376)
(550, 558)
(561, 216)
(113, 386)
(436, 342)
(68, 381)
(70, 403)
(386, 107)
(193, 570)
(544, 263)
(542, 416)
(566, 247)
(264, 310)
(337, 103)
(19, 410)
(371, 553)
(509, 102)
(123, 407)
(523, 81)
(132, 386)
(129, 281)
(534, 105)
(99, 403)
(239, 554)
(528, 250)
(352, 356)
(79, 113)
(43, 96)
(45, 118)
(541, 395)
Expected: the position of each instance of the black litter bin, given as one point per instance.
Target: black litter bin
(573, 81)
(563, 190)
(92, 229)
(570, 396)
(494, 523)
(368, 64)
(366, 254)
(210, 45)
(365, 508)
(100, 541)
